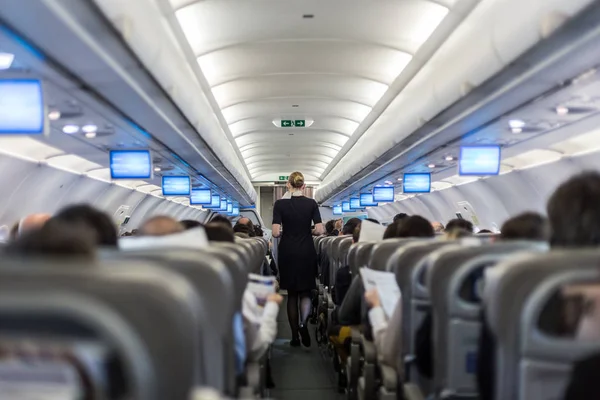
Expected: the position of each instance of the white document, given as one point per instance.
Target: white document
(387, 288)
(191, 239)
(371, 232)
(260, 287)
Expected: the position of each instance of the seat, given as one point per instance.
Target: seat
(533, 364)
(363, 256)
(455, 289)
(214, 282)
(334, 257)
(150, 316)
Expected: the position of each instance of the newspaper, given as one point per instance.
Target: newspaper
(371, 232)
(387, 288)
(260, 287)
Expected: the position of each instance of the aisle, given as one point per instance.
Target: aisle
(300, 373)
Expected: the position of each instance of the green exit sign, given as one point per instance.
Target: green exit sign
(288, 123)
(284, 178)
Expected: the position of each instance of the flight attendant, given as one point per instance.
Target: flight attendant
(297, 259)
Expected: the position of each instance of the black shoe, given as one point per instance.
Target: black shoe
(305, 335)
(295, 342)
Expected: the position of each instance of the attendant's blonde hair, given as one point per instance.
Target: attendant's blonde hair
(296, 180)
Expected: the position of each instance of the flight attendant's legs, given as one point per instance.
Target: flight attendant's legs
(299, 302)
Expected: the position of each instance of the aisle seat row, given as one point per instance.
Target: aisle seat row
(164, 316)
(459, 284)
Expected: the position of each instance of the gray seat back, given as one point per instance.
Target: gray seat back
(334, 257)
(383, 250)
(152, 317)
(455, 289)
(363, 256)
(213, 281)
(533, 364)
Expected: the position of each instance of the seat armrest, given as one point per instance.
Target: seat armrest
(412, 392)
(389, 378)
(369, 350)
(356, 335)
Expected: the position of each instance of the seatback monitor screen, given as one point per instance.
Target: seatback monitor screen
(383, 194)
(215, 201)
(355, 203)
(22, 109)
(229, 208)
(201, 197)
(337, 210)
(346, 206)
(223, 206)
(366, 200)
(479, 160)
(417, 183)
(236, 211)
(130, 164)
(176, 185)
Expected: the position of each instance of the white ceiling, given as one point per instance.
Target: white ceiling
(261, 58)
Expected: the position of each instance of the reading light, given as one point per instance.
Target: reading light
(516, 123)
(388, 182)
(431, 165)
(157, 169)
(562, 110)
(90, 135)
(6, 60)
(449, 158)
(400, 179)
(89, 128)
(517, 130)
(70, 129)
(54, 115)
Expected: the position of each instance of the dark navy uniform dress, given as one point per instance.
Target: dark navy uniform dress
(297, 257)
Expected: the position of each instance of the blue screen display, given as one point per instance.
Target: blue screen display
(229, 208)
(417, 183)
(337, 210)
(479, 160)
(215, 202)
(346, 206)
(21, 107)
(223, 206)
(201, 197)
(235, 212)
(130, 164)
(176, 185)
(366, 200)
(383, 194)
(355, 203)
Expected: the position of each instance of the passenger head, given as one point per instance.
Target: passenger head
(484, 231)
(400, 217)
(55, 239)
(161, 226)
(457, 233)
(93, 220)
(258, 231)
(329, 227)
(415, 226)
(249, 224)
(219, 232)
(574, 211)
(241, 230)
(438, 227)
(459, 223)
(529, 225)
(373, 220)
(32, 222)
(221, 219)
(190, 224)
(350, 226)
(296, 181)
(356, 234)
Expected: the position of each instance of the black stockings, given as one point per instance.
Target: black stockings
(293, 308)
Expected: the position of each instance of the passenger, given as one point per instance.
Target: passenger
(161, 226)
(92, 219)
(339, 224)
(484, 231)
(297, 260)
(330, 228)
(258, 231)
(438, 227)
(190, 224)
(459, 223)
(350, 226)
(457, 233)
(33, 221)
(388, 341)
(258, 334)
(529, 225)
(221, 219)
(242, 231)
(248, 222)
(373, 220)
(400, 217)
(54, 239)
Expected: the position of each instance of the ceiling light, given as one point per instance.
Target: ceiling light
(70, 129)
(157, 169)
(308, 16)
(6, 60)
(399, 179)
(517, 130)
(562, 110)
(54, 115)
(431, 165)
(388, 182)
(449, 158)
(516, 123)
(89, 128)
(295, 105)
(90, 135)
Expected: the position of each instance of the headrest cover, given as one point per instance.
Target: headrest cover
(191, 239)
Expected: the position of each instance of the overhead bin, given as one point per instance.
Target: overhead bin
(489, 39)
